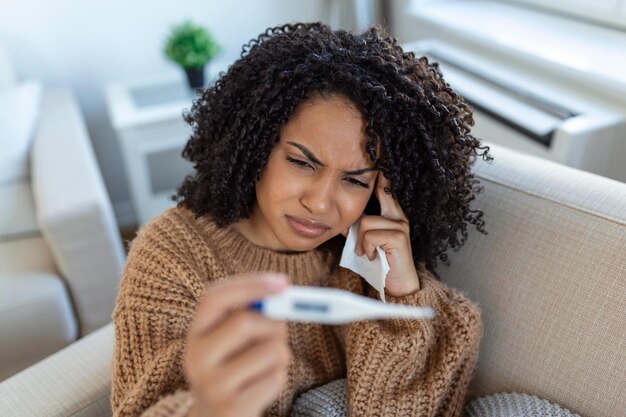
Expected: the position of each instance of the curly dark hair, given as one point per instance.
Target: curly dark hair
(422, 124)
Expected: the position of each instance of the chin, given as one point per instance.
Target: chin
(302, 246)
(297, 243)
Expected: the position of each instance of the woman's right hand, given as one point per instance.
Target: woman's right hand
(236, 359)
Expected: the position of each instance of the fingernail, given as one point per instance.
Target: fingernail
(277, 281)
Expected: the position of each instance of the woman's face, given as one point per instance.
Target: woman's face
(318, 178)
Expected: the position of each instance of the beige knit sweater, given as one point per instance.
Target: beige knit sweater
(393, 367)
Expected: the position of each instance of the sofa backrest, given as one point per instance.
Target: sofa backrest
(20, 106)
(550, 278)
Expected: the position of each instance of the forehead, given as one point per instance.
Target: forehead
(330, 126)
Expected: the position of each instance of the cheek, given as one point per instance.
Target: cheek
(351, 206)
(276, 184)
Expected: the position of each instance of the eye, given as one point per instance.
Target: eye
(357, 183)
(298, 163)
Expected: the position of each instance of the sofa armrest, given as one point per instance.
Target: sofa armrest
(75, 381)
(74, 211)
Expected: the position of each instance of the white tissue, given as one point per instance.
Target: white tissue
(374, 271)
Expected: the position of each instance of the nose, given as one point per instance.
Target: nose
(318, 196)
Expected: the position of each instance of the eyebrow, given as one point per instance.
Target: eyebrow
(314, 159)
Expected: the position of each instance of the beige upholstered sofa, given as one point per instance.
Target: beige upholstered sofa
(60, 251)
(550, 278)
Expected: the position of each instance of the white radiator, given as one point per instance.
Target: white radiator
(515, 109)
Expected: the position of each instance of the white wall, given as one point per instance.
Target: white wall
(86, 43)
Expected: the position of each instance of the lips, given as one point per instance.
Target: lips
(306, 227)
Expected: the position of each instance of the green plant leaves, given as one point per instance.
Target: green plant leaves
(190, 45)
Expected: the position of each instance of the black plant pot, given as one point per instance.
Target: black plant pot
(195, 77)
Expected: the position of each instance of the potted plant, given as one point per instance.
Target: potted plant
(191, 46)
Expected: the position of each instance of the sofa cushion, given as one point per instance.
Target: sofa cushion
(513, 404)
(17, 206)
(36, 319)
(19, 112)
(325, 401)
(29, 254)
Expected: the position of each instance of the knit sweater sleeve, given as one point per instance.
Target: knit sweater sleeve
(412, 367)
(160, 286)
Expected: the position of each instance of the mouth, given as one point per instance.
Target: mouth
(306, 227)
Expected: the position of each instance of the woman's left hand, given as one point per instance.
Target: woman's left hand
(391, 232)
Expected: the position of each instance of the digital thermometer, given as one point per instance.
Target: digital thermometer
(332, 306)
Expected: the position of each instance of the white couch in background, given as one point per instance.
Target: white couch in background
(61, 255)
(550, 278)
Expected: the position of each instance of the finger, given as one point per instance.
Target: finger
(388, 240)
(233, 335)
(363, 227)
(220, 298)
(253, 363)
(359, 237)
(389, 206)
(255, 398)
(368, 223)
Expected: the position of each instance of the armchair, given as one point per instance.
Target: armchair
(550, 278)
(61, 255)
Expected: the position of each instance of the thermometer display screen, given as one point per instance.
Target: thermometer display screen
(311, 307)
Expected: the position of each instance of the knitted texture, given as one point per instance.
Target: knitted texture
(330, 401)
(515, 405)
(326, 401)
(392, 367)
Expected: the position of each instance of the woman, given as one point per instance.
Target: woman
(310, 131)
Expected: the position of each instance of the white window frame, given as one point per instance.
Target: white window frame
(605, 12)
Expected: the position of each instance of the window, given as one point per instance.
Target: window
(605, 12)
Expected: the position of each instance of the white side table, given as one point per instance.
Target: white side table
(147, 117)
